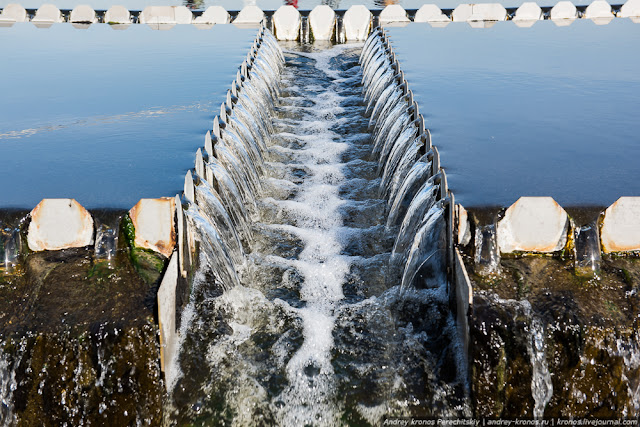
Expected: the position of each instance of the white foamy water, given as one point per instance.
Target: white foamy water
(7, 387)
(316, 332)
(317, 221)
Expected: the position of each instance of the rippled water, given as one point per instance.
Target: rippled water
(105, 116)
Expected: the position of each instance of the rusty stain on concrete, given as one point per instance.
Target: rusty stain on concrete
(620, 230)
(153, 220)
(59, 224)
(533, 224)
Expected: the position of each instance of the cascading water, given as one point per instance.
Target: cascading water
(541, 386)
(8, 386)
(487, 252)
(339, 311)
(10, 248)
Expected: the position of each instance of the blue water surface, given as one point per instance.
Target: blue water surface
(106, 116)
(540, 111)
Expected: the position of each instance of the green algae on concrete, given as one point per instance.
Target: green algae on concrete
(148, 264)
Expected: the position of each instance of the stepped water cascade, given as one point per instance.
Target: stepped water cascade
(316, 223)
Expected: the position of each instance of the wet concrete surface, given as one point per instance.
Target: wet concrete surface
(587, 363)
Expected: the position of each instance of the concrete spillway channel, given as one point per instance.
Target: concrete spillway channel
(309, 313)
(317, 270)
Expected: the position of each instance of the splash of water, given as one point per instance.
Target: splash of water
(286, 342)
(8, 385)
(541, 385)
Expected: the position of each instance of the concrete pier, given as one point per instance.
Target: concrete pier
(322, 21)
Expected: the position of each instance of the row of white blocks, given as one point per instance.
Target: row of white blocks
(63, 223)
(541, 225)
(287, 20)
(563, 13)
(357, 20)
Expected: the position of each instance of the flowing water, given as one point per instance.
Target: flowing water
(541, 386)
(338, 313)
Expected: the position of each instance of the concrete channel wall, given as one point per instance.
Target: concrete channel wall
(323, 23)
(530, 226)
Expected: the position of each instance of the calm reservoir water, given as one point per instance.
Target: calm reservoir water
(105, 116)
(540, 111)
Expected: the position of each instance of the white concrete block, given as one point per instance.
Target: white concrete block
(564, 10)
(84, 14)
(598, 9)
(167, 314)
(620, 230)
(393, 13)
(213, 15)
(157, 15)
(183, 15)
(117, 15)
(154, 224)
(59, 224)
(430, 13)
(529, 11)
(286, 22)
(165, 15)
(48, 14)
(631, 9)
(13, 13)
(322, 20)
(462, 13)
(479, 12)
(189, 187)
(488, 12)
(250, 14)
(357, 22)
(533, 224)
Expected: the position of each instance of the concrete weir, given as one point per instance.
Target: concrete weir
(497, 264)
